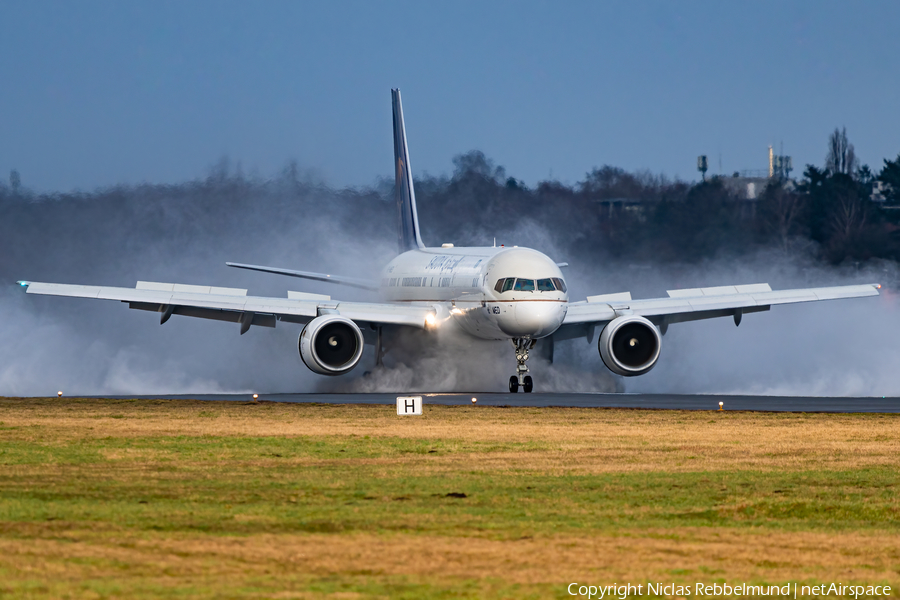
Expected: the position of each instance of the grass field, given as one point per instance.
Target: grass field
(184, 499)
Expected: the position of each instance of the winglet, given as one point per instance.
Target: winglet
(403, 183)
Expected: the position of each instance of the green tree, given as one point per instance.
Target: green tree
(890, 177)
(841, 216)
(705, 222)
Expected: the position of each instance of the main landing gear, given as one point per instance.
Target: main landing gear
(521, 378)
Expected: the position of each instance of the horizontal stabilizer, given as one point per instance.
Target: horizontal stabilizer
(620, 297)
(722, 290)
(365, 284)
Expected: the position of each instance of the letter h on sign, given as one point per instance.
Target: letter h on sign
(409, 405)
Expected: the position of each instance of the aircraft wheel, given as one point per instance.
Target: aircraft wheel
(529, 384)
(513, 384)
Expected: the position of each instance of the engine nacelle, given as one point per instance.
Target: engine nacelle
(331, 345)
(629, 345)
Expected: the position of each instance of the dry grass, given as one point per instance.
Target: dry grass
(337, 501)
(580, 440)
(687, 554)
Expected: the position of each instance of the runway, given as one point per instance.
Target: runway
(639, 401)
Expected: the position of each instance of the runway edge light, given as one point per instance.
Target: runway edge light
(721, 404)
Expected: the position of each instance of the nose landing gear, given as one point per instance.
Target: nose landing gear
(521, 378)
(527, 384)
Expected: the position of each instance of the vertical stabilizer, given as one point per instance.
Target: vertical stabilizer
(403, 188)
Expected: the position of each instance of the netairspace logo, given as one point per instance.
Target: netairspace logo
(623, 591)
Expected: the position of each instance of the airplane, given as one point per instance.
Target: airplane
(495, 293)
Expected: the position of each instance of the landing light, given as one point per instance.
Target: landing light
(430, 321)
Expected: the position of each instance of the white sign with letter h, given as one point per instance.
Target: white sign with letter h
(409, 405)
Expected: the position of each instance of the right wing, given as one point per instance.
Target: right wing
(695, 304)
(230, 304)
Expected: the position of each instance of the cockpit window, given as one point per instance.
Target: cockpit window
(528, 285)
(545, 285)
(524, 285)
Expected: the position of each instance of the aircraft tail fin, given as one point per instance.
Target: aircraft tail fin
(403, 189)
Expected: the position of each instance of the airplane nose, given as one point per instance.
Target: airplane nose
(539, 319)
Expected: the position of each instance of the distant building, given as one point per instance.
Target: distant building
(615, 205)
(750, 184)
(879, 191)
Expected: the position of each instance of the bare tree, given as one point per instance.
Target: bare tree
(848, 218)
(781, 212)
(841, 155)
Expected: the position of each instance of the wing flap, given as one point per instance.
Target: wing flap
(385, 313)
(229, 316)
(583, 312)
(306, 296)
(620, 297)
(189, 289)
(722, 290)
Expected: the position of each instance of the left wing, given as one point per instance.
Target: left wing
(234, 305)
(696, 303)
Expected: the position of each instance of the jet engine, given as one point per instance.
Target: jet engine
(629, 345)
(331, 345)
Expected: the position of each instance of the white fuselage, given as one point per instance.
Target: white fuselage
(462, 283)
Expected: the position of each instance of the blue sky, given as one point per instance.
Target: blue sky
(99, 93)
